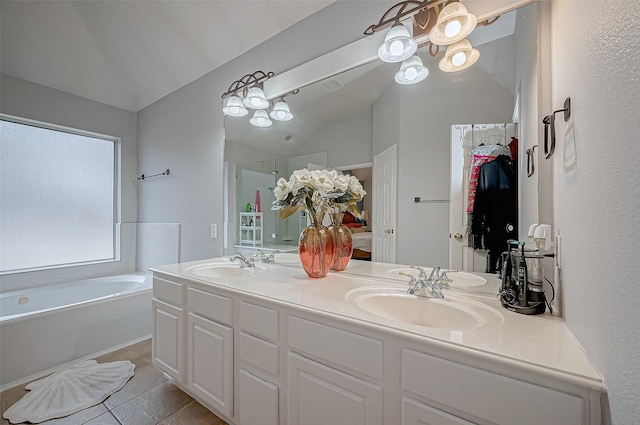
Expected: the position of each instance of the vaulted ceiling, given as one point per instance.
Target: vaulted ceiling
(131, 53)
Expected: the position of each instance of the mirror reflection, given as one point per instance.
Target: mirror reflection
(353, 119)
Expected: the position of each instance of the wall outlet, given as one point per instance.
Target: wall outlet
(214, 231)
(558, 252)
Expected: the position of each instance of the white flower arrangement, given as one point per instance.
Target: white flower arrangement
(317, 191)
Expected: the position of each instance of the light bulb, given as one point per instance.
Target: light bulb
(234, 110)
(459, 58)
(255, 102)
(261, 121)
(410, 74)
(452, 28)
(281, 114)
(396, 47)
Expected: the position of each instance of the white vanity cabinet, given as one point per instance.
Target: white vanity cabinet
(168, 323)
(254, 358)
(259, 368)
(210, 349)
(333, 375)
(481, 396)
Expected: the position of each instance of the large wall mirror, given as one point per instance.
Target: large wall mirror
(346, 120)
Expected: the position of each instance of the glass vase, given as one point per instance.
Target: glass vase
(342, 242)
(316, 249)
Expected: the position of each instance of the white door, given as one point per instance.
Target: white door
(460, 167)
(463, 139)
(384, 206)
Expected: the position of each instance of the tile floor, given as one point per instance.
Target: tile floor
(147, 399)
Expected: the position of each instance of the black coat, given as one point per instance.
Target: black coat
(495, 211)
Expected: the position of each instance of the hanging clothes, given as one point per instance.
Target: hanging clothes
(481, 155)
(495, 212)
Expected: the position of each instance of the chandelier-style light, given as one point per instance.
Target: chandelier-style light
(261, 119)
(447, 22)
(281, 111)
(454, 24)
(250, 87)
(459, 56)
(398, 44)
(412, 71)
(234, 107)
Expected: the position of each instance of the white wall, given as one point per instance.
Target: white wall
(347, 141)
(596, 190)
(28, 100)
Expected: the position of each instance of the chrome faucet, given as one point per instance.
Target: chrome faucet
(428, 286)
(244, 262)
(264, 258)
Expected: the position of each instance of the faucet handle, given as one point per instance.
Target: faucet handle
(423, 274)
(412, 282)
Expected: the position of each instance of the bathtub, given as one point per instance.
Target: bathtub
(44, 328)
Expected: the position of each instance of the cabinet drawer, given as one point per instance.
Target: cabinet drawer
(170, 292)
(342, 348)
(259, 321)
(260, 353)
(466, 388)
(320, 395)
(212, 306)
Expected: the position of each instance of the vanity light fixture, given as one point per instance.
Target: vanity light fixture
(235, 107)
(459, 56)
(261, 119)
(454, 24)
(447, 23)
(250, 88)
(412, 71)
(281, 111)
(255, 99)
(398, 44)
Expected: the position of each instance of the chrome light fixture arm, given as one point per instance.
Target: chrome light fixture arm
(245, 83)
(401, 10)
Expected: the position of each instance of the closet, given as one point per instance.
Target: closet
(484, 194)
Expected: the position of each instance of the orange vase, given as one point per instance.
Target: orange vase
(316, 249)
(342, 241)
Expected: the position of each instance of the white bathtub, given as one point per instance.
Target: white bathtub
(46, 327)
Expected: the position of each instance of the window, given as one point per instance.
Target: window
(57, 196)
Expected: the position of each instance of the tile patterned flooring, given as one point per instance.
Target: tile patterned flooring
(147, 399)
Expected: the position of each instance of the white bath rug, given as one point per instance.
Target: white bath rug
(70, 390)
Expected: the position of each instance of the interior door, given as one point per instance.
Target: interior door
(384, 206)
(460, 167)
(463, 139)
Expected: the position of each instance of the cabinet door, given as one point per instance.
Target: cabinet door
(320, 395)
(258, 400)
(167, 342)
(210, 363)
(416, 413)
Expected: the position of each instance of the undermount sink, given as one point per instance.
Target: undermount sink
(222, 270)
(458, 279)
(452, 312)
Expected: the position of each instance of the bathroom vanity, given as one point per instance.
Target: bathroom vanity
(267, 345)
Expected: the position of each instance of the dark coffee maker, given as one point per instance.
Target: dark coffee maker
(522, 276)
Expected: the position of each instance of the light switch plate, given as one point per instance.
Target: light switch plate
(214, 231)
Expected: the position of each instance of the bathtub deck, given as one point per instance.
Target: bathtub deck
(147, 399)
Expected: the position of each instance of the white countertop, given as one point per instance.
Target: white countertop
(541, 343)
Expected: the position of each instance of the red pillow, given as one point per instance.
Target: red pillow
(348, 218)
(352, 225)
